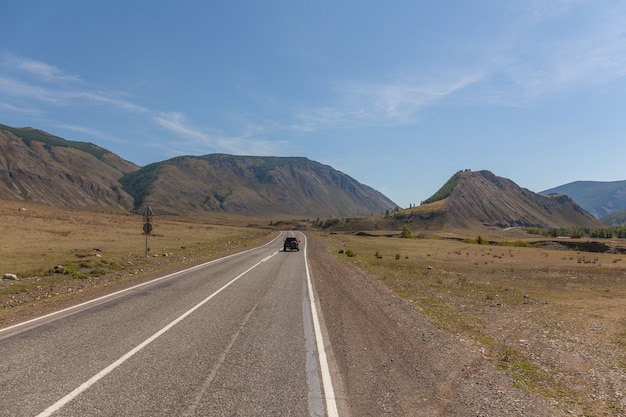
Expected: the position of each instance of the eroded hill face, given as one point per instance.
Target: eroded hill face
(477, 202)
(39, 167)
(32, 169)
(482, 198)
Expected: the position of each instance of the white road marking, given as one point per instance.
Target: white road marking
(84, 386)
(315, 394)
(331, 403)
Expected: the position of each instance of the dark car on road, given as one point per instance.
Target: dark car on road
(291, 243)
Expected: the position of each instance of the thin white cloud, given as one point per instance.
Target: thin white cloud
(38, 86)
(112, 99)
(176, 122)
(547, 10)
(17, 88)
(558, 47)
(20, 110)
(63, 96)
(399, 102)
(39, 82)
(395, 103)
(42, 70)
(549, 48)
(194, 139)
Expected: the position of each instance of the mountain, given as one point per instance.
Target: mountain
(617, 218)
(481, 199)
(40, 167)
(251, 185)
(597, 197)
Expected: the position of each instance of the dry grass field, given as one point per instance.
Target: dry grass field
(56, 251)
(553, 319)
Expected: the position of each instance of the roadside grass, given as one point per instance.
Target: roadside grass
(45, 246)
(512, 300)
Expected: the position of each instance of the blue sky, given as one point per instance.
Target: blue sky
(397, 94)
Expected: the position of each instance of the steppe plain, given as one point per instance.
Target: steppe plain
(553, 319)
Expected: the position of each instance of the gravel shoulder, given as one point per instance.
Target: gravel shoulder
(393, 361)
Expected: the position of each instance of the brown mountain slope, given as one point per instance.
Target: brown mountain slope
(481, 201)
(484, 198)
(252, 186)
(471, 199)
(39, 167)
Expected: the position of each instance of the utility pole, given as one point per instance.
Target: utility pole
(147, 226)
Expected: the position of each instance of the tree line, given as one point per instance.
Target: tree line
(618, 232)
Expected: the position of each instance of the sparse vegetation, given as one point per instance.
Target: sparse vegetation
(445, 190)
(30, 135)
(49, 249)
(327, 223)
(616, 232)
(139, 184)
(538, 314)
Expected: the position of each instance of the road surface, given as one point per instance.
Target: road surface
(237, 336)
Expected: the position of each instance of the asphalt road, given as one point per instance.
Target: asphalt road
(237, 336)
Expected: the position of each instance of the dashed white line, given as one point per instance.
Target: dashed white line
(84, 386)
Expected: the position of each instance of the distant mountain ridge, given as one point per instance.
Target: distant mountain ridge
(600, 198)
(40, 167)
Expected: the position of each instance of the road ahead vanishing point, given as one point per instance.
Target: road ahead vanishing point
(236, 336)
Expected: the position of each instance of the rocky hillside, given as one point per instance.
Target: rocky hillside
(482, 199)
(40, 167)
(250, 185)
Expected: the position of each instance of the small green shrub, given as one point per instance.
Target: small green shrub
(97, 272)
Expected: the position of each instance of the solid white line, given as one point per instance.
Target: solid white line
(329, 393)
(84, 386)
(6, 329)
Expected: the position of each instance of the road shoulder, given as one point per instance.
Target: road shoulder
(393, 361)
